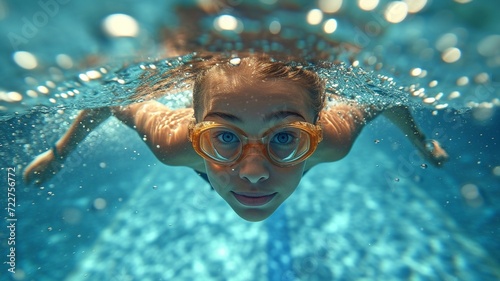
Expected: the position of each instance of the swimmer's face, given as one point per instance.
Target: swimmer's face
(254, 106)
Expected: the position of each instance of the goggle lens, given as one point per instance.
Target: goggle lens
(221, 144)
(285, 145)
(288, 145)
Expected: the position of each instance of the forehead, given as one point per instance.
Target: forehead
(243, 91)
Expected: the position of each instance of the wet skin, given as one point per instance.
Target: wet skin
(254, 187)
(254, 107)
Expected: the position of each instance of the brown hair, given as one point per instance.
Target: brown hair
(193, 73)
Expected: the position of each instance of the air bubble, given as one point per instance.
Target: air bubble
(482, 78)
(83, 77)
(11, 96)
(451, 55)
(64, 61)
(314, 16)
(43, 89)
(429, 100)
(93, 74)
(50, 84)
(25, 60)
(31, 93)
(454, 95)
(433, 83)
(275, 27)
(99, 203)
(416, 71)
(441, 106)
(462, 81)
(120, 25)
(235, 61)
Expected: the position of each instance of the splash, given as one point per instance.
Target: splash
(377, 54)
(104, 86)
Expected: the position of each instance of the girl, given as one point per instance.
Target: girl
(256, 126)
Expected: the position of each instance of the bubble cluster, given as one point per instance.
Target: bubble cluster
(407, 58)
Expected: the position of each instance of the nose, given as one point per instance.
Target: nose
(253, 167)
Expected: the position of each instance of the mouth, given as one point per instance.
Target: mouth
(253, 199)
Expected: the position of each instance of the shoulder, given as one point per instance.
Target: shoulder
(341, 123)
(165, 131)
(168, 139)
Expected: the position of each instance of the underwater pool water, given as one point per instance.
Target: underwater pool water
(116, 213)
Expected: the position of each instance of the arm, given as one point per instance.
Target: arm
(164, 130)
(344, 119)
(341, 122)
(402, 118)
(47, 164)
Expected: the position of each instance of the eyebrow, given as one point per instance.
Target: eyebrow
(282, 115)
(267, 118)
(225, 116)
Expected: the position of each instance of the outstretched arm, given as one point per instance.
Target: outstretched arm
(47, 164)
(164, 130)
(430, 149)
(344, 119)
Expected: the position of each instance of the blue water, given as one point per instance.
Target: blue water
(376, 215)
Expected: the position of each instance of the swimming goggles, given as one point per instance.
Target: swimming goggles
(284, 145)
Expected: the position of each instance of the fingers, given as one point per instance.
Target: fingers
(438, 151)
(437, 154)
(30, 176)
(41, 169)
(27, 176)
(29, 173)
(37, 178)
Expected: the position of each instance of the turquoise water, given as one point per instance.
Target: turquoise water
(116, 213)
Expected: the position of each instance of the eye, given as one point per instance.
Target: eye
(283, 138)
(226, 137)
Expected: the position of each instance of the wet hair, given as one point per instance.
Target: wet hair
(263, 68)
(195, 72)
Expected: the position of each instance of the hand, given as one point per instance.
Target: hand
(43, 168)
(435, 153)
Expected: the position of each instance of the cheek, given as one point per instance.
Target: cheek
(293, 173)
(283, 180)
(290, 179)
(219, 176)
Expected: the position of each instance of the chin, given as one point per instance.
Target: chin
(254, 214)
